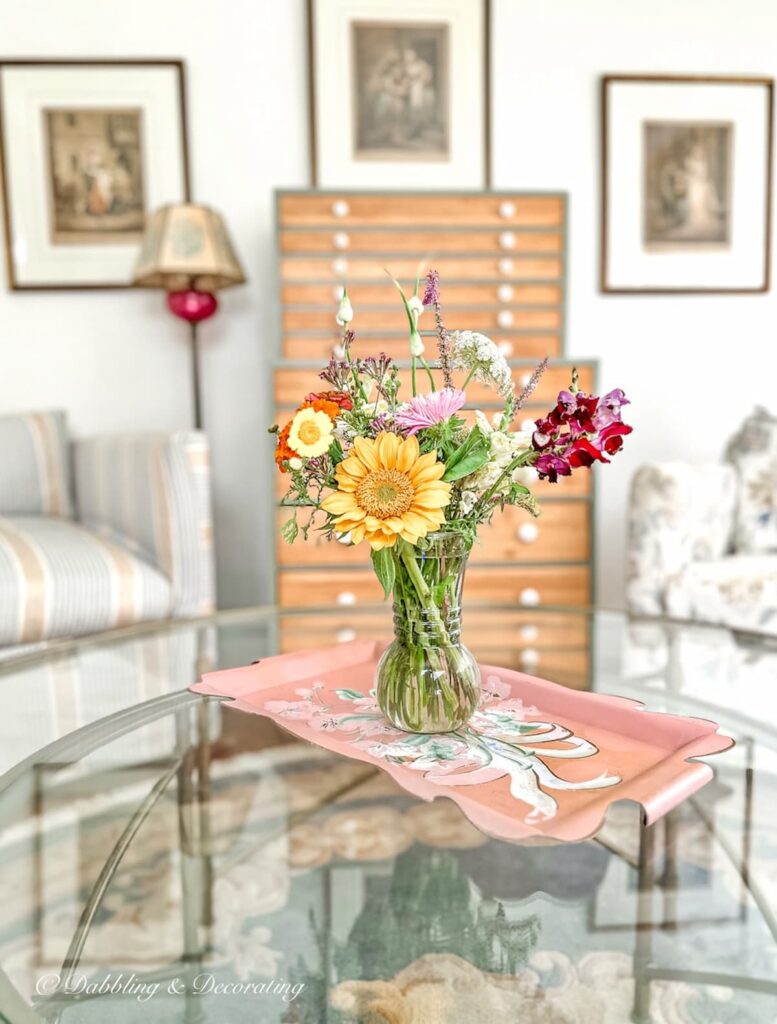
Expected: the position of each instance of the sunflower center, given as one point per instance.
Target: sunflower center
(384, 493)
(309, 432)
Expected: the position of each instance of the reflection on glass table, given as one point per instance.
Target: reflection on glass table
(166, 858)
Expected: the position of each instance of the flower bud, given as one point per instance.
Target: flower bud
(345, 311)
(295, 463)
(416, 344)
(415, 306)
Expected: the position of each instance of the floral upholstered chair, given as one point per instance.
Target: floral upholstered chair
(703, 538)
(103, 532)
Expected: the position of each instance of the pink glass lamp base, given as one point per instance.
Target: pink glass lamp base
(192, 305)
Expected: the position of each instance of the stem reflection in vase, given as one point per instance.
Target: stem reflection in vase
(427, 680)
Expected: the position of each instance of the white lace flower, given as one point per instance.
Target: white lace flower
(475, 353)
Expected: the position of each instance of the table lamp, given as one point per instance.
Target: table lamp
(187, 251)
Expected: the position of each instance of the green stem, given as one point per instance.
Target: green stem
(516, 462)
(412, 376)
(428, 373)
(468, 378)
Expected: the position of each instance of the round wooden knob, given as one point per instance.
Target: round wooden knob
(345, 635)
(337, 292)
(506, 348)
(340, 267)
(345, 598)
(505, 318)
(340, 208)
(525, 378)
(506, 266)
(529, 658)
(345, 538)
(529, 632)
(506, 209)
(340, 240)
(527, 533)
(507, 240)
(529, 596)
(505, 292)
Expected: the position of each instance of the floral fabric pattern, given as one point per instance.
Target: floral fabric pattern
(679, 514)
(753, 454)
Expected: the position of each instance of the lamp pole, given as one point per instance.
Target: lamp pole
(196, 376)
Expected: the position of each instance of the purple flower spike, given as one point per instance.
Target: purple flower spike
(432, 291)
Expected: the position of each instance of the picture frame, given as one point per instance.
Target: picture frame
(385, 109)
(88, 148)
(686, 184)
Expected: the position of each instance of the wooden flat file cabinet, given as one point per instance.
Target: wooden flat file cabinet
(502, 263)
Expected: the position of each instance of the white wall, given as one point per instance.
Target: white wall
(693, 366)
(118, 360)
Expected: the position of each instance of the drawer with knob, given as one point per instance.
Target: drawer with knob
(293, 383)
(568, 667)
(392, 318)
(384, 294)
(343, 266)
(319, 349)
(302, 210)
(531, 637)
(419, 243)
(559, 534)
(520, 586)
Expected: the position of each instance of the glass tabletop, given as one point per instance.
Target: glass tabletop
(164, 857)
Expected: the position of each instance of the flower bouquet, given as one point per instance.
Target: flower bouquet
(416, 480)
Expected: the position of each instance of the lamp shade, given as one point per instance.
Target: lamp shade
(186, 246)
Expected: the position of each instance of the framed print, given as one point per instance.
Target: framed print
(88, 149)
(399, 93)
(686, 184)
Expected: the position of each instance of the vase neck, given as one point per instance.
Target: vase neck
(422, 628)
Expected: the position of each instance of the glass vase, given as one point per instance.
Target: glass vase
(427, 680)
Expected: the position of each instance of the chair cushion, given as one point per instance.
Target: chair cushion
(35, 468)
(739, 591)
(58, 579)
(753, 453)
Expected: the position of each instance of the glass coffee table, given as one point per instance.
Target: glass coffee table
(166, 858)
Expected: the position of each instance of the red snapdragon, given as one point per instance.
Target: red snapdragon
(581, 429)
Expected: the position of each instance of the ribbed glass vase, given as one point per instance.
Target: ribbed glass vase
(427, 680)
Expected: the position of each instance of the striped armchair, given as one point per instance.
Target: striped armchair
(102, 532)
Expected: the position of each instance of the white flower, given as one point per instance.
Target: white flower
(416, 344)
(467, 501)
(375, 408)
(472, 351)
(295, 463)
(345, 311)
(504, 445)
(416, 306)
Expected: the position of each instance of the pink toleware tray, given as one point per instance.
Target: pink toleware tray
(536, 759)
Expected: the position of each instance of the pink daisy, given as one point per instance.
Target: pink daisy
(426, 410)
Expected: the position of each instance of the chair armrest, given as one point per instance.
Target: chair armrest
(150, 493)
(678, 514)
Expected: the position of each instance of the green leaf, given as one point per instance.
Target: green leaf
(471, 462)
(289, 530)
(385, 569)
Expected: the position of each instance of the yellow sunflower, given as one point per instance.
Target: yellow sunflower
(387, 489)
(311, 433)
